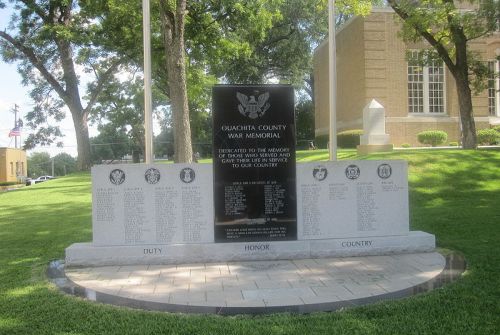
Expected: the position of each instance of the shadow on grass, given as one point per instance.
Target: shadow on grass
(39, 222)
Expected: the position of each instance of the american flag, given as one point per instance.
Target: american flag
(15, 132)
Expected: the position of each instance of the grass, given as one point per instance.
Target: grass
(454, 194)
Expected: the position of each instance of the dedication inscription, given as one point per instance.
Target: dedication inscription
(254, 163)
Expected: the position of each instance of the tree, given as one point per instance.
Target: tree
(236, 41)
(39, 163)
(208, 38)
(304, 121)
(110, 144)
(449, 29)
(42, 38)
(121, 106)
(164, 143)
(64, 164)
(271, 40)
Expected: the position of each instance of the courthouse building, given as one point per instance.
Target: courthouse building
(372, 63)
(13, 164)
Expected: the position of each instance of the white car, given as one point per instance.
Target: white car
(41, 179)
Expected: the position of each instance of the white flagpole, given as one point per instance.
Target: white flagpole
(16, 108)
(148, 112)
(332, 75)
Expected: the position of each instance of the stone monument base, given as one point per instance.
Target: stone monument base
(364, 149)
(86, 254)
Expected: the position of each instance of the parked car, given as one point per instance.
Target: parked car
(41, 179)
(28, 181)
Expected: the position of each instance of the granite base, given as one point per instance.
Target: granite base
(86, 254)
(365, 149)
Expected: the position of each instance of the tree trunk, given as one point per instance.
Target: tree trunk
(136, 156)
(461, 75)
(310, 90)
(72, 99)
(80, 121)
(80, 118)
(84, 161)
(173, 38)
(469, 139)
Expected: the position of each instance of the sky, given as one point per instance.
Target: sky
(12, 92)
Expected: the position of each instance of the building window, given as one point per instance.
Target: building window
(493, 89)
(415, 88)
(11, 168)
(426, 86)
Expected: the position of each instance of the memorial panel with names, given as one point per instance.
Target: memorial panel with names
(254, 163)
(152, 204)
(352, 199)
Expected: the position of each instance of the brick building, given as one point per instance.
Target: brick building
(372, 64)
(13, 165)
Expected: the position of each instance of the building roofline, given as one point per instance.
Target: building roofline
(382, 10)
(337, 31)
(352, 19)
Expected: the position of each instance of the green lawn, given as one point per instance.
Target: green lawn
(454, 194)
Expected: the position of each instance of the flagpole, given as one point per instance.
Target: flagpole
(332, 82)
(15, 124)
(148, 111)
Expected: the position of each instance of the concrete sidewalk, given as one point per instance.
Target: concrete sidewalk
(259, 286)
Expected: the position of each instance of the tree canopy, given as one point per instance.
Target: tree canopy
(50, 40)
(238, 41)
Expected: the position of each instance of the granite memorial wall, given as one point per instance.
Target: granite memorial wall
(173, 203)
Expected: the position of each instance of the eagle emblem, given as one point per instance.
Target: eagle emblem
(117, 176)
(152, 176)
(251, 107)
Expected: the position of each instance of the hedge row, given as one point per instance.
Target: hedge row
(8, 183)
(432, 137)
(488, 136)
(348, 139)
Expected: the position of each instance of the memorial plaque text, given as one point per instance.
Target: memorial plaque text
(254, 163)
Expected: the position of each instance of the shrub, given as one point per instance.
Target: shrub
(349, 138)
(8, 183)
(406, 145)
(488, 136)
(497, 129)
(432, 137)
(453, 144)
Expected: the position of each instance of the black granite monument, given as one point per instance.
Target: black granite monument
(254, 163)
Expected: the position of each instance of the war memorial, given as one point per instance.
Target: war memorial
(254, 203)
(254, 209)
